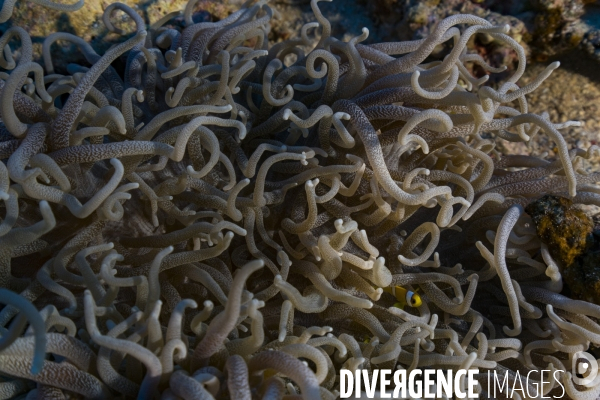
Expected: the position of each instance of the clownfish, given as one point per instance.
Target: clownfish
(405, 297)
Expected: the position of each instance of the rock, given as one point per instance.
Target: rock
(583, 277)
(573, 241)
(545, 28)
(562, 227)
(591, 43)
(347, 20)
(87, 23)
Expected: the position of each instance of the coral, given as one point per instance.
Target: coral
(195, 211)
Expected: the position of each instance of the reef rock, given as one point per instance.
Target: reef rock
(545, 28)
(87, 24)
(573, 241)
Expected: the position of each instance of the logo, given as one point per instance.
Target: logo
(588, 369)
(421, 384)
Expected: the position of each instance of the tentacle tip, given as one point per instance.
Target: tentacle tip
(36, 367)
(512, 332)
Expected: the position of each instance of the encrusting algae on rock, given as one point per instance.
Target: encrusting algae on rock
(583, 276)
(572, 241)
(564, 228)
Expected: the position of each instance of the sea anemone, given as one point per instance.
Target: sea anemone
(216, 216)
